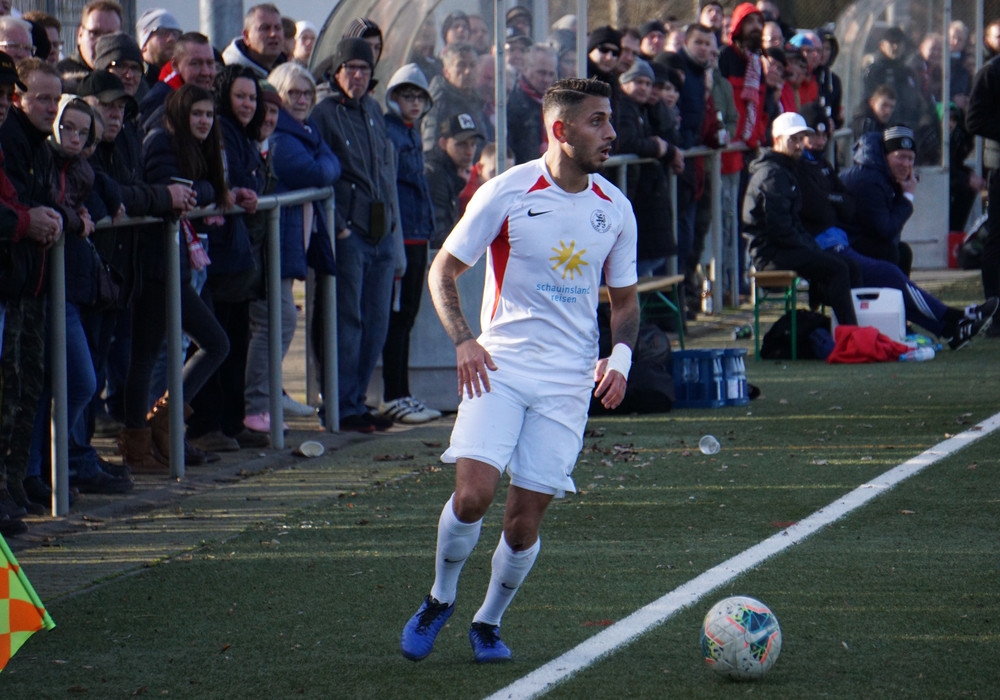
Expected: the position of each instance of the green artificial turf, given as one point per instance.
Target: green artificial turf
(898, 599)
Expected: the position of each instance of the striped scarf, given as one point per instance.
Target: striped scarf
(750, 94)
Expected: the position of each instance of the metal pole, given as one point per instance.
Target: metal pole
(328, 287)
(581, 38)
(274, 330)
(980, 33)
(60, 394)
(221, 20)
(500, 83)
(719, 254)
(946, 92)
(672, 183)
(175, 384)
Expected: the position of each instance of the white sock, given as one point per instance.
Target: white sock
(455, 542)
(509, 571)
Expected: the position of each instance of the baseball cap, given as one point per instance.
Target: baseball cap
(103, 85)
(8, 72)
(789, 124)
(460, 126)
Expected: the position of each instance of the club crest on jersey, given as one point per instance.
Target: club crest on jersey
(599, 220)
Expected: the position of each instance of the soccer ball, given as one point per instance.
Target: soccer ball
(740, 638)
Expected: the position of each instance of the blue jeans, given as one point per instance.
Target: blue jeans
(364, 298)
(81, 383)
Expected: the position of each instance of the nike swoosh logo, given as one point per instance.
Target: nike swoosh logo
(538, 213)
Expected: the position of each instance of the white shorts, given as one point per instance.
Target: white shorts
(533, 431)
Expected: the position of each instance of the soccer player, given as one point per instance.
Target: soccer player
(551, 226)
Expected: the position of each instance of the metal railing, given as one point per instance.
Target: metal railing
(726, 252)
(173, 236)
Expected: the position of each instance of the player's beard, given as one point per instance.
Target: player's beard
(590, 165)
(753, 41)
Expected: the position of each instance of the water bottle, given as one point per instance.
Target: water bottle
(918, 354)
(707, 303)
(722, 135)
(743, 332)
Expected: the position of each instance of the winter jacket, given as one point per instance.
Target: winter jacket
(22, 262)
(416, 212)
(825, 203)
(647, 183)
(229, 244)
(981, 117)
(882, 210)
(525, 128)
(445, 186)
(691, 102)
(160, 164)
(415, 209)
(301, 158)
(733, 66)
(121, 160)
(355, 132)
(831, 90)
(772, 206)
(449, 101)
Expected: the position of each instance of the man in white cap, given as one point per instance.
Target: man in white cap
(157, 32)
(778, 239)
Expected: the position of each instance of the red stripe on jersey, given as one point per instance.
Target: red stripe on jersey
(540, 184)
(600, 193)
(500, 250)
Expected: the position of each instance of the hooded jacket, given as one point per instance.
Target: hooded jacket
(882, 210)
(236, 54)
(771, 208)
(416, 212)
(733, 65)
(831, 90)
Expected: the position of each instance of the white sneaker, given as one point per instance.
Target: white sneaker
(408, 410)
(294, 408)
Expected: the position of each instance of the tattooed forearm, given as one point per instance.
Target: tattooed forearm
(444, 295)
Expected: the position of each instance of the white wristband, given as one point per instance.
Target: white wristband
(620, 359)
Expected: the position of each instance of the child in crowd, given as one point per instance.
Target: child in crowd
(408, 99)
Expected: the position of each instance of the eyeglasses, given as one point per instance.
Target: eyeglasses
(357, 68)
(412, 96)
(20, 47)
(613, 50)
(70, 131)
(125, 68)
(296, 95)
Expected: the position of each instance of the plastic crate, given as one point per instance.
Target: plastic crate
(734, 369)
(699, 378)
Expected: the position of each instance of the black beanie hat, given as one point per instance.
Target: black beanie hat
(603, 35)
(350, 49)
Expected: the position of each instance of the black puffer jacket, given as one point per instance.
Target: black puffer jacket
(771, 208)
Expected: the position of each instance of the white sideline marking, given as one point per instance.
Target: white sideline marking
(628, 629)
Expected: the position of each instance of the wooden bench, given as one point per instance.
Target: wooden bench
(784, 281)
(654, 290)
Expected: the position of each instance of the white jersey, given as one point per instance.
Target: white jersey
(547, 251)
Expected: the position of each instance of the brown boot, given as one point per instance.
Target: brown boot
(159, 422)
(139, 453)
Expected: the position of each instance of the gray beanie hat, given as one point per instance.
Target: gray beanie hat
(639, 69)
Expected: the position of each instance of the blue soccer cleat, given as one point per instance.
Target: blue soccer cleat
(417, 641)
(486, 643)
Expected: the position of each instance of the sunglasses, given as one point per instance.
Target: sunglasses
(613, 50)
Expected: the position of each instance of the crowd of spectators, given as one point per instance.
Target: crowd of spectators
(158, 122)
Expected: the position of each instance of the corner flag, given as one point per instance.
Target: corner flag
(21, 612)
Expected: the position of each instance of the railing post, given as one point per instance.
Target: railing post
(172, 241)
(719, 282)
(60, 394)
(274, 330)
(328, 287)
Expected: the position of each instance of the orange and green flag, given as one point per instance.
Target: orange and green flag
(21, 612)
